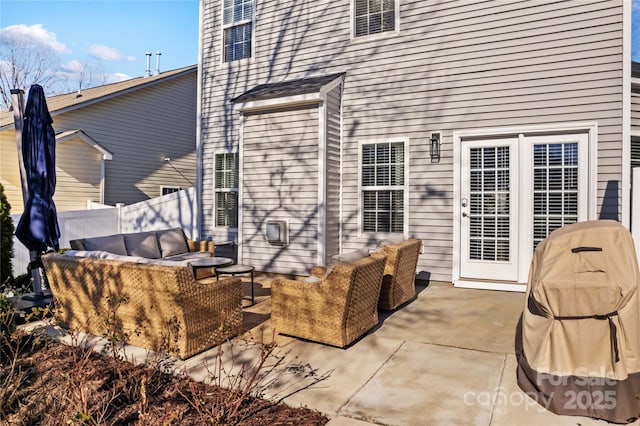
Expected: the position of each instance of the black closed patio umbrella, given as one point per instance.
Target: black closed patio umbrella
(38, 226)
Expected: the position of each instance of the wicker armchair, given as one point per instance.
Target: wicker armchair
(398, 283)
(335, 311)
(153, 306)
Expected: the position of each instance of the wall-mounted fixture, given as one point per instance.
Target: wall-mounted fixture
(434, 147)
(276, 231)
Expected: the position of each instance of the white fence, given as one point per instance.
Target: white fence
(169, 211)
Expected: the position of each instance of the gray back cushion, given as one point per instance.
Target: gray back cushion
(172, 241)
(111, 243)
(143, 244)
(77, 244)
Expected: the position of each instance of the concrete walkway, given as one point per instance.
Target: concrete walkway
(446, 358)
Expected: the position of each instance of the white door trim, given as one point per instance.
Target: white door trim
(591, 128)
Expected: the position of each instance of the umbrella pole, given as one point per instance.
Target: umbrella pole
(17, 103)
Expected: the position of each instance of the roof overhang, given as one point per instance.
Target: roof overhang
(65, 136)
(287, 94)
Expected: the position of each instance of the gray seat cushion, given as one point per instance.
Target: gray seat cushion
(172, 241)
(143, 244)
(163, 262)
(111, 243)
(189, 255)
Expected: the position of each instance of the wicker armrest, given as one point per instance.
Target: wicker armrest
(319, 271)
(201, 245)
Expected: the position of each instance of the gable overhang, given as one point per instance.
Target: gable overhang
(65, 136)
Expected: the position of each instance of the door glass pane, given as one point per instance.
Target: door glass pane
(555, 188)
(489, 206)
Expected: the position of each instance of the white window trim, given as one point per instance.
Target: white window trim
(217, 190)
(352, 20)
(253, 35)
(591, 128)
(405, 188)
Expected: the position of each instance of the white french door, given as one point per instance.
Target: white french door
(489, 209)
(513, 193)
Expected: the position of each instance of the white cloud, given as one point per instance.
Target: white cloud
(116, 77)
(73, 66)
(106, 53)
(36, 34)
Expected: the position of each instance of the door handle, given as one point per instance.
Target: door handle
(464, 214)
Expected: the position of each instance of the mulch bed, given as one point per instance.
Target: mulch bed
(56, 384)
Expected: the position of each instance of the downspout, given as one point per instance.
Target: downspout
(322, 181)
(626, 115)
(197, 204)
(102, 179)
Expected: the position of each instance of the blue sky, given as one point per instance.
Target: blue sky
(110, 37)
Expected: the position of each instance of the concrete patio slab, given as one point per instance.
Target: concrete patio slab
(429, 384)
(482, 320)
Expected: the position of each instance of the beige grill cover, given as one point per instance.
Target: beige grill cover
(570, 277)
(581, 323)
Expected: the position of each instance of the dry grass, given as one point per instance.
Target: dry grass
(45, 382)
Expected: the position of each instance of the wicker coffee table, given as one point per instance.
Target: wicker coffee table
(237, 270)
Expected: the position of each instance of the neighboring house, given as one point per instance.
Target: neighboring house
(477, 127)
(112, 141)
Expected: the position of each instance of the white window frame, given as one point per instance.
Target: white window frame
(404, 188)
(369, 36)
(172, 187)
(217, 190)
(224, 27)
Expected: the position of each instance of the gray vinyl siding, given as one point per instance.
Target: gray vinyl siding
(140, 129)
(332, 172)
(280, 181)
(455, 65)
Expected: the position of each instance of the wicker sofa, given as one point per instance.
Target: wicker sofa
(337, 310)
(159, 306)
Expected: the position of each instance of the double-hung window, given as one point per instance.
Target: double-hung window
(374, 16)
(383, 187)
(226, 187)
(237, 24)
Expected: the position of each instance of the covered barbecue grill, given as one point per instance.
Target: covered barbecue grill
(581, 323)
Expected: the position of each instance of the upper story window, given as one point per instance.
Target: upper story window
(237, 24)
(226, 188)
(374, 16)
(383, 187)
